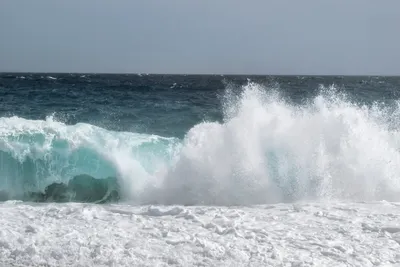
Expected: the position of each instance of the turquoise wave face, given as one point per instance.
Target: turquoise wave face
(37, 154)
(81, 188)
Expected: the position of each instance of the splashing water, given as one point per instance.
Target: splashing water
(266, 150)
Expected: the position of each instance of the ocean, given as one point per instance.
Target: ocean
(128, 151)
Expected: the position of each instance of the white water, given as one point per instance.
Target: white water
(265, 151)
(313, 234)
(270, 151)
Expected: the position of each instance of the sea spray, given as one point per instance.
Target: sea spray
(268, 150)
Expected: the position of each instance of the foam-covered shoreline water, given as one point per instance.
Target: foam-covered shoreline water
(301, 234)
(266, 150)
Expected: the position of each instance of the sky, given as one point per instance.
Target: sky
(357, 37)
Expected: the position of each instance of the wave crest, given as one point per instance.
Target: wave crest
(266, 150)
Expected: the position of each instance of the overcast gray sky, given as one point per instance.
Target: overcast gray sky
(207, 36)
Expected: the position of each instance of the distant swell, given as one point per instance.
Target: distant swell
(266, 150)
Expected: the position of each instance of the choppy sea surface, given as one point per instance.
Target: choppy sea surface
(199, 170)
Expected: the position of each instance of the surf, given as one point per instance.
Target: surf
(266, 150)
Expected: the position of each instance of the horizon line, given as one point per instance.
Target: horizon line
(197, 74)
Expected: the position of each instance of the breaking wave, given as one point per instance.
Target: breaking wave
(266, 150)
